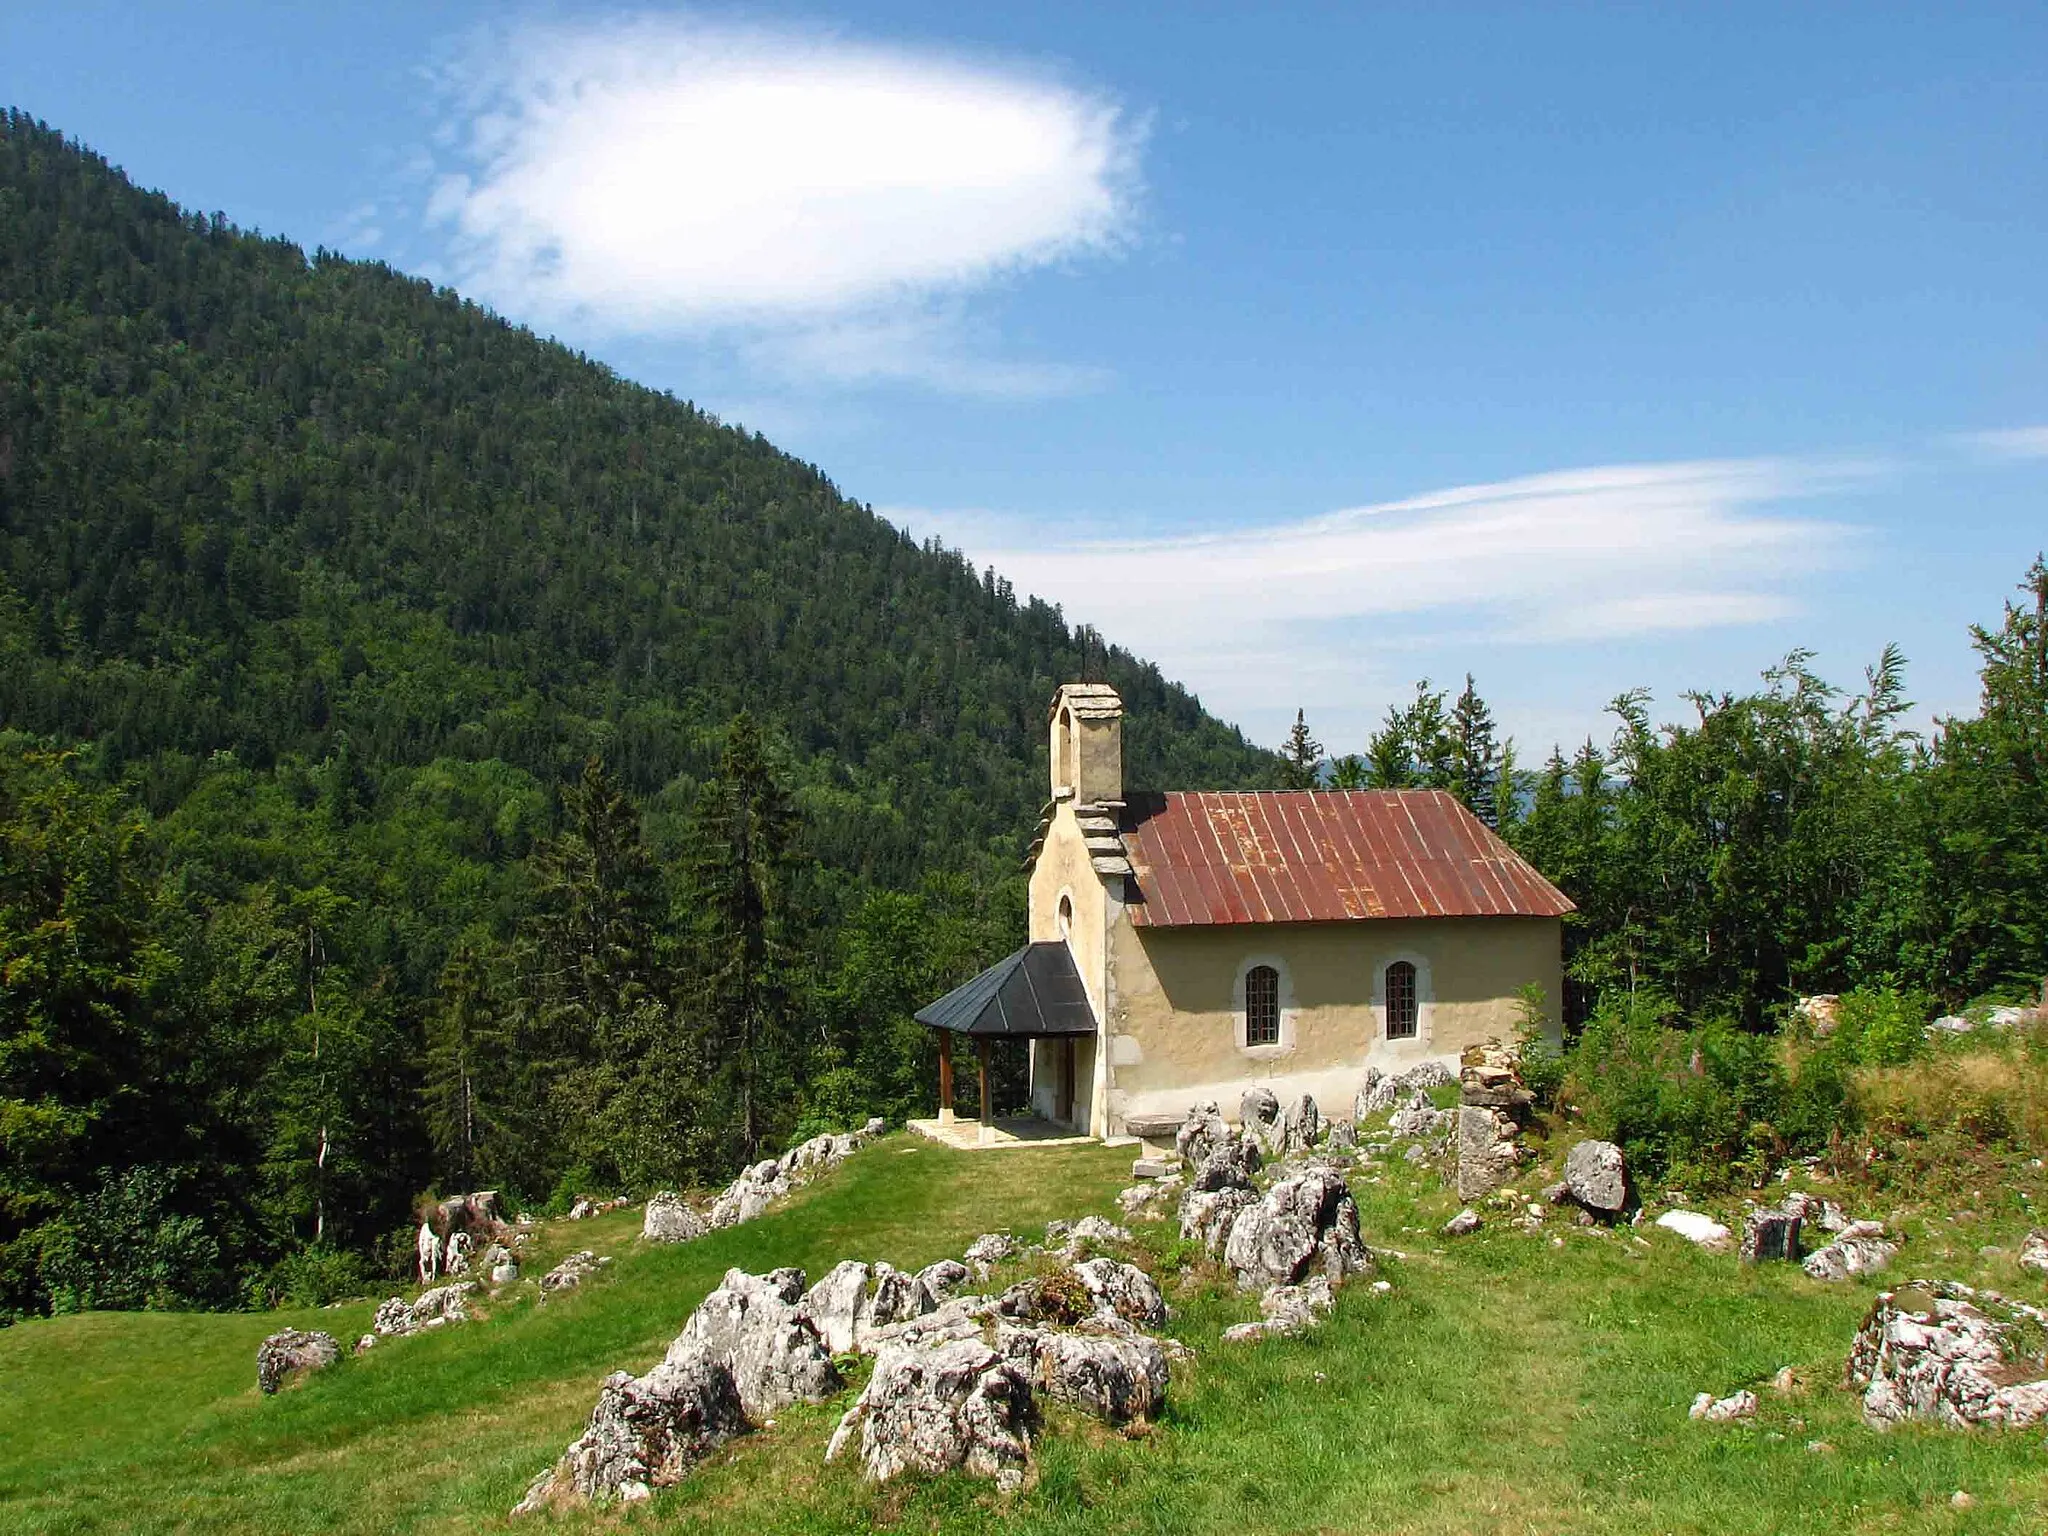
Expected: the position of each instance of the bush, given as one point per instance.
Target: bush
(1881, 1026)
(312, 1277)
(126, 1247)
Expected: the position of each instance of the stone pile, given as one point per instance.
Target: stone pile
(1943, 1353)
(571, 1272)
(1491, 1106)
(292, 1351)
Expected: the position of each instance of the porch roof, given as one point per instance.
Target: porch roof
(1032, 994)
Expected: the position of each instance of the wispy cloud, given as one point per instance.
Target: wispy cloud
(1601, 554)
(816, 202)
(2010, 443)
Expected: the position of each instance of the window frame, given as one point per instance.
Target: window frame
(1284, 1006)
(1258, 1021)
(1411, 975)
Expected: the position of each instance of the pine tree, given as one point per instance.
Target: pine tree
(1302, 755)
(466, 1070)
(1476, 755)
(1389, 763)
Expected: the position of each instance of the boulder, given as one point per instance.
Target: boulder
(1301, 1128)
(571, 1272)
(1737, 1405)
(958, 1406)
(292, 1352)
(1229, 1166)
(752, 1324)
(669, 1220)
(1288, 1309)
(1207, 1215)
(893, 1297)
(2034, 1252)
(1772, 1233)
(1597, 1176)
(1304, 1221)
(645, 1433)
(944, 1278)
(1488, 1150)
(989, 1249)
(1418, 1117)
(1859, 1249)
(1343, 1137)
(1946, 1354)
(1151, 1201)
(1115, 1377)
(1124, 1290)
(1258, 1117)
(1695, 1227)
(1463, 1224)
(1093, 1229)
(1376, 1093)
(1201, 1133)
(836, 1306)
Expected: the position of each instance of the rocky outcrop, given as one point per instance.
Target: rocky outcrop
(2033, 1253)
(1946, 1354)
(1151, 1200)
(1301, 1127)
(670, 1220)
(292, 1352)
(645, 1433)
(1859, 1249)
(1418, 1117)
(1124, 1290)
(1207, 1215)
(1771, 1233)
(956, 1406)
(944, 1278)
(1596, 1176)
(1306, 1221)
(572, 1272)
(772, 1179)
(1094, 1230)
(1117, 1377)
(752, 1324)
(435, 1308)
(1378, 1092)
(1258, 1117)
(989, 1249)
(1288, 1309)
(1201, 1133)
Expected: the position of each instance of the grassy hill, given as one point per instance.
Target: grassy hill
(1507, 1382)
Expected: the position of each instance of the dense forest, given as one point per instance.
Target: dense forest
(429, 761)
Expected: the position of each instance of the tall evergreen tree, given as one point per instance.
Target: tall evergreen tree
(1301, 756)
(1476, 756)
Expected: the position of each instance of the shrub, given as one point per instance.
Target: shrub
(125, 1246)
(312, 1277)
(1881, 1026)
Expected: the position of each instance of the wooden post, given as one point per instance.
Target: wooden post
(981, 1059)
(945, 1077)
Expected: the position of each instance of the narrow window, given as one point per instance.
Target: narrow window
(1400, 1001)
(1262, 1006)
(1066, 916)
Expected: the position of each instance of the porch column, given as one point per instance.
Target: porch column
(988, 1119)
(945, 1077)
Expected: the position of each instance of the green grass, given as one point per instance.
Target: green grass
(1505, 1384)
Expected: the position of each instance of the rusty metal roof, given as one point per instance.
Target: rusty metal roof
(1321, 856)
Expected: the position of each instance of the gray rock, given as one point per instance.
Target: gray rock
(956, 1407)
(1229, 1166)
(1463, 1224)
(1597, 1176)
(1201, 1133)
(1288, 1309)
(669, 1220)
(645, 1433)
(1343, 1137)
(1123, 1289)
(1713, 1410)
(1153, 1168)
(753, 1325)
(988, 1249)
(505, 1273)
(1946, 1354)
(571, 1272)
(290, 1352)
(837, 1304)
(1772, 1233)
(1696, 1227)
(1302, 1221)
(1301, 1128)
(1488, 1151)
(2033, 1253)
(1093, 1229)
(1149, 1202)
(1418, 1117)
(944, 1278)
(1207, 1215)
(893, 1297)
(875, 1127)
(1853, 1253)
(1258, 1109)
(1115, 1377)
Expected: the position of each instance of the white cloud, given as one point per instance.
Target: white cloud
(1615, 553)
(833, 201)
(2012, 443)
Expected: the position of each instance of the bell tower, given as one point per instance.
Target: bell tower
(1088, 744)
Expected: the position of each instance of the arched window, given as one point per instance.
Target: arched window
(1401, 1001)
(1066, 918)
(1262, 1006)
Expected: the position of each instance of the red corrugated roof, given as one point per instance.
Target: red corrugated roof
(1322, 856)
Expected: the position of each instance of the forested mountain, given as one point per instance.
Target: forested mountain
(369, 668)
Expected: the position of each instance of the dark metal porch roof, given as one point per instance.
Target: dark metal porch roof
(1034, 993)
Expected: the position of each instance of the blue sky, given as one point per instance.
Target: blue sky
(1307, 353)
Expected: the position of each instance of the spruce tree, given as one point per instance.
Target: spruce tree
(1302, 755)
(1476, 755)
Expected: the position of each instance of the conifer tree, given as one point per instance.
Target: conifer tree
(1476, 755)
(1302, 756)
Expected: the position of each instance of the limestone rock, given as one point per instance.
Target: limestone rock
(1123, 1289)
(944, 1278)
(1463, 1224)
(1288, 1309)
(1737, 1405)
(1115, 1377)
(1201, 1133)
(753, 1326)
(1094, 1229)
(434, 1308)
(1153, 1167)
(1343, 1137)
(1597, 1176)
(1418, 1117)
(957, 1407)
(1207, 1215)
(894, 1297)
(1305, 1220)
(571, 1272)
(836, 1306)
(989, 1249)
(2034, 1252)
(1695, 1227)
(1258, 1117)
(1772, 1233)
(292, 1351)
(1229, 1166)
(1301, 1128)
(1859, 1249)
(669, 1220)
(1947, 1354)
(1488, 1150)
(645, 1433)
(455, 1256)
(1150, 1201)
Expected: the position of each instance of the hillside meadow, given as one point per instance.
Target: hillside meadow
(1511, 1381)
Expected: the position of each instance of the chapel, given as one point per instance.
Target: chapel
(1188, 946)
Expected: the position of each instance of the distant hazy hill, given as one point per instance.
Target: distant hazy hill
(255, 503)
